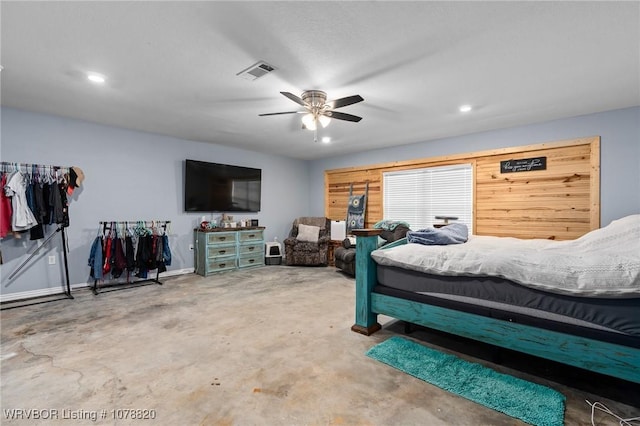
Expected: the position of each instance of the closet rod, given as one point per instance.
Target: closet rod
(14, 164)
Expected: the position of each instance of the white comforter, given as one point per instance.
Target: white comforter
(603, 263)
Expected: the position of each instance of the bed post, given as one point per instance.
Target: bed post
(366, 278)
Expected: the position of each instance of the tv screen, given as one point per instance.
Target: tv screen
(212, 187)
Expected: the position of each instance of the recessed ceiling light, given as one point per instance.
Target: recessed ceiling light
(465, 108)
(95, 77)
(326, 139)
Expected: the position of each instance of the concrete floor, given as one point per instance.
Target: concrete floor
(265, 346)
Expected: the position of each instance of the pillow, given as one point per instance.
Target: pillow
(308, 233)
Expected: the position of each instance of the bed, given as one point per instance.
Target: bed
(576, 302)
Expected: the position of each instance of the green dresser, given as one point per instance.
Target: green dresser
(225, 249)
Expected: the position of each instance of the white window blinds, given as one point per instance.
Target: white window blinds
(417, 196)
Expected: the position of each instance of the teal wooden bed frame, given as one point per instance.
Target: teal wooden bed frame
(602, 357)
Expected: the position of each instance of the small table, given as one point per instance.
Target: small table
(333, 245)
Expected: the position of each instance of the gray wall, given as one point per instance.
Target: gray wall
(619, 155)
(129, 175)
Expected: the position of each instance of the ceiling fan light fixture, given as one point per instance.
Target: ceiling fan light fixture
(318, 110)
(324, 120)
(94, 77)
(309, 121)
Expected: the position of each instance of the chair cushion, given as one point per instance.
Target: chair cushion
(320, 222)
(308, 233)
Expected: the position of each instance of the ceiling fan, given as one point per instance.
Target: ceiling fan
(318, 110)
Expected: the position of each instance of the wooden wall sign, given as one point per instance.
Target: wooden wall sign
(523, 165)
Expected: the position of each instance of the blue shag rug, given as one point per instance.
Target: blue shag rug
(529, 402)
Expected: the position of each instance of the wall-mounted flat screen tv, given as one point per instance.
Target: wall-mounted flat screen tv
(212, 187)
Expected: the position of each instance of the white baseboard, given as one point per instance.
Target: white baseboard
(59, 290)
(177, 272)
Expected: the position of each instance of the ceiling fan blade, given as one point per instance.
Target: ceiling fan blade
(342, 102)
(280, 113)
(342, 116)
(294, 98)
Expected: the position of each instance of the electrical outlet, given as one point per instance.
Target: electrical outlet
(190, 246)
(52, 260)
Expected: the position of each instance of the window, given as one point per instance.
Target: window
(416, 196)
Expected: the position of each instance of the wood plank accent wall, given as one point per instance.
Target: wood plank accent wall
(561, 202)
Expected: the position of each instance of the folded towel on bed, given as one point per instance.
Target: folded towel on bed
(390, 225)
(454, 233)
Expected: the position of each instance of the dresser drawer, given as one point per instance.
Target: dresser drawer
(251, 248)
(221, 250)
(250, 235)
(221, 237)
(216, 265)
(251, 260)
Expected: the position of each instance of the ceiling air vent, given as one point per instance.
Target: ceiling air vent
(256, 70)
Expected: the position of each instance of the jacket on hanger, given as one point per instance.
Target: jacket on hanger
(95, 259)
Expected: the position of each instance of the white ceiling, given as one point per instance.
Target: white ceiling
(171, 66)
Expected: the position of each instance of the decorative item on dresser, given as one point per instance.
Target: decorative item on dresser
(225, 249)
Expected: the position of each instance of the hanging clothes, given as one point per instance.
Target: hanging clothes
(5, 209)
(41, 205)
(62, 187)
(46, 196)
(36, 232)
(95, 259)
(143, 253)
(106, 267)
(22, 218)
(130, 254)
(119, 260)
(57, 203)
(119, 248)
(166, 251)
(160, 255)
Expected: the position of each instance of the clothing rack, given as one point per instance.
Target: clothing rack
(8, 167)
(106, 225)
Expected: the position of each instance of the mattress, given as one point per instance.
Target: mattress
(612, 320)
(602, 263)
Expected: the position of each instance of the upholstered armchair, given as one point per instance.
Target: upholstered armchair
(308, 241)
(345, 256)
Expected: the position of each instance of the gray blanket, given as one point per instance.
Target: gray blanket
(454, 233)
